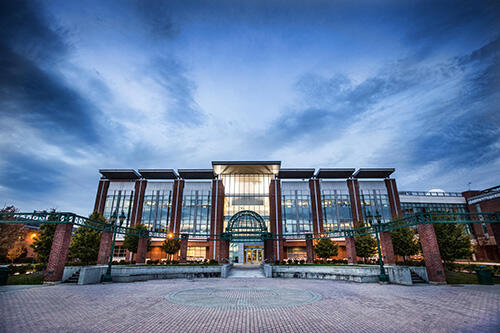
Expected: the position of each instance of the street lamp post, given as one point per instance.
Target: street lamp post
(107, 276)
(383, 277)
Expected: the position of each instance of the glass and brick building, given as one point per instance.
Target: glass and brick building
(288, 201)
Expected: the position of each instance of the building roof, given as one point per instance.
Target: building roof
(296, 173)
(158, 173)
(196, 173)
(331, 173)
(246, 163)
(119, 173)
(373, 173)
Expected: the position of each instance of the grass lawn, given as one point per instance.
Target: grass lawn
(25, 279)
(465, 278)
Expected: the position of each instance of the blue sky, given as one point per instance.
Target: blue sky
(86, 85)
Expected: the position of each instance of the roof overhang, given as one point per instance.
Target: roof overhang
(374, 173)
(158, 173)
(120, 173)
(301, 173)
(249, 167)
(196, 173)
(329, 173)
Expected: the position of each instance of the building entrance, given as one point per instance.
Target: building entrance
(254, 255)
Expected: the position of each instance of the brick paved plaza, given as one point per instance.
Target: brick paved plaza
(250, 305)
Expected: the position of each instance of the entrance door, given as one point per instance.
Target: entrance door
(253, 255)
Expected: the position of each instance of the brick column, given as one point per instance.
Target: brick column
(275, 218)
(387, 248)
(432, 256)
(58, 252)
(351, 250)
(357, 213)
(104, 248)
(268, 250)
(223, 251)
(216, 218)
(317, 213)
(102, 192)
(393, 195)
(184, 247)
(309, 249)
(140, 190)
(175, 220)
(142, 249)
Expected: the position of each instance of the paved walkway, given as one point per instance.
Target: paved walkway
(250, 305)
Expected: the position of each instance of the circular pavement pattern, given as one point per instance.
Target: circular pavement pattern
(244, 297)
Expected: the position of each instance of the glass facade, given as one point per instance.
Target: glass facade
(246, 192)
(410, 208)
(120, 199)
(336, 206)
(196, 252)
(157, 206)
(374, 198)
(196, 205)
(296, 207)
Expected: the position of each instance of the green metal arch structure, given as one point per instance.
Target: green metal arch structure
(246, 225)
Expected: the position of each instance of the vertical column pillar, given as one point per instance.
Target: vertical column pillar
(223, 251)
(387, 248)
(58, 252)
(216, 218)
(317, 212)
(385, 237)
(351, 250)
(175, 220)
(309, 249)
(184, 246)
(276, 219)
(140, 190)
(104, 247)
(142, 249)
(102, 192)
(268, 250)
(432, 256)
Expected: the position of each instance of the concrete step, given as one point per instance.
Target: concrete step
(415, 278)
(74, 278)
(246, 271)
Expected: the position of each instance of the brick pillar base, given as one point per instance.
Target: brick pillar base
(387, 249)
(223, 251)
(351, 250)
(309, 249)
(184, 247)
(430, 249)
(268, 251)
(58, 253)
(142, 249)
(104, 248)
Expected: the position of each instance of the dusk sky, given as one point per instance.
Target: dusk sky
(85, 85)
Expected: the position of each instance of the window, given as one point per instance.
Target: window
(156, 210)
(337, 214)
(296, 211)
(195, 217)
(196, 252)
(373, 201)
(296, 252)
(119, 251)
(119, 201)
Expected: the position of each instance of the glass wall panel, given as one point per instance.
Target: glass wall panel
(246, 192)
(157, 206)
(196, 252)
(196, 205)
(336, 206)
(120, 199)
(296, 207)
(374, 198)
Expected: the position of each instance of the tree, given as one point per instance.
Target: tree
(453, 241)
(10, 233)
(43, 242)
(131, 242)
(86, 240)
(16, 251)
(325, 248)
(405, 242)
(171, 246)
(366, 245)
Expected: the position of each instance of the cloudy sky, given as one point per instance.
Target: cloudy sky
(86, 85)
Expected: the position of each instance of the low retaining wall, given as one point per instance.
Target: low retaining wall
(355, 273)
(94, 274)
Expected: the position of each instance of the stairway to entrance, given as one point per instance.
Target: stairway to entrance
(246, 271)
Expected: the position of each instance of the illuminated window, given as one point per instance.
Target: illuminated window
(196, 252)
